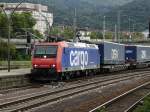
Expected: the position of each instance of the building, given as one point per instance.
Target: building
(84, 34)
(146, 34)
(40, 12)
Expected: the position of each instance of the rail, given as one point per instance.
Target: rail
(118, 97)
(132, 107)
(33, 100)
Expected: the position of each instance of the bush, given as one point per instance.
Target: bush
(4, 50)
(101, 110)
(22, 57)
(14, 55)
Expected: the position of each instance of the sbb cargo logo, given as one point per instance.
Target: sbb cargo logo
(115, 54)
(79, 58)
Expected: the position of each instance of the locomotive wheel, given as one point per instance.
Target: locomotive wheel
(86, 73)
(67, 76)
(60, 78)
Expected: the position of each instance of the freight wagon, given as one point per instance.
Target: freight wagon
(112, 56)
(137, 55)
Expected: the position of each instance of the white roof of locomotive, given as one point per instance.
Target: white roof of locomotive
(82, 45)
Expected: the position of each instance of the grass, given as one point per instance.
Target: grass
(101, 110)
(145, 107)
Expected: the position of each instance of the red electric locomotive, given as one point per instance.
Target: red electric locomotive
(63, 60)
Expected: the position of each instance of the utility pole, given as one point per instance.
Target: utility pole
(9, 35)
(133, 30)
(133, 27)
(8, 16)
(115, 32)
(129, 25)
(149, 29)
(75, 25)
(118, 21)
(48, 26)
(129, 29)
(104, 27)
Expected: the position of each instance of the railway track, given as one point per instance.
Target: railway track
(17, 89)
(127, 101)
(38, 84)
(29, 101)
(132, 107)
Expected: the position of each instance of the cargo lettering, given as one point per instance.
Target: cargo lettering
(143, 54)
(115, 54)
(79, 58)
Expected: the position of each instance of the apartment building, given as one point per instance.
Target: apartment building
(40, 12)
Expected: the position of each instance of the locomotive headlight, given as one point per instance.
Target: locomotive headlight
(35, 65)
(53, 66)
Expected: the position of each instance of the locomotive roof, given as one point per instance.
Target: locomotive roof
(71, 44)
(84, 45)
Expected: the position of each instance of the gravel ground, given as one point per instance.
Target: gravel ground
(125, 102)
(51, 87)
(91, 99)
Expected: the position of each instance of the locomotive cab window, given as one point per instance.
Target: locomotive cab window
(47, 51)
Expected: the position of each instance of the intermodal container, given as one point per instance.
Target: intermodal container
(111, 53)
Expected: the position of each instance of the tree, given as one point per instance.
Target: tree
(3, 25)
(109, 35)
(68, 33)
(134, 36)
(3, 50)
(55, 31)
(20, 23)
(93, 35)
(96, 35)
(38, 34)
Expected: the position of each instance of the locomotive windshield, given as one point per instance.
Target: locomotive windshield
(45, 51)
